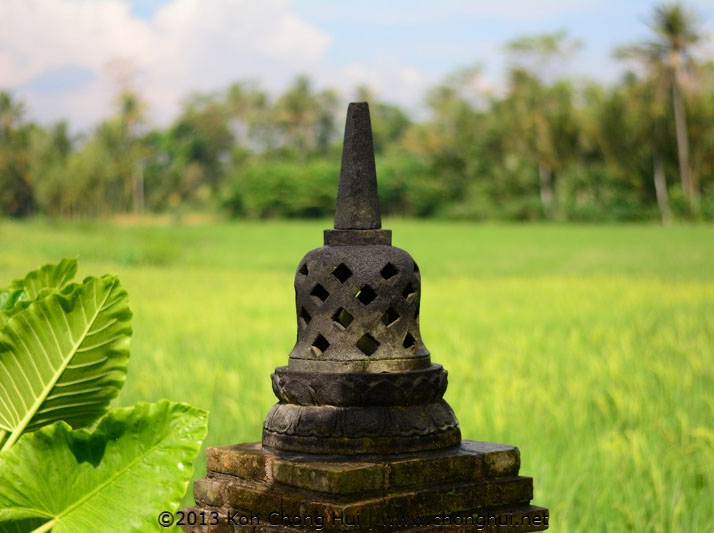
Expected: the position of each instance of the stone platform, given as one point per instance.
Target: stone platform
(471, 487)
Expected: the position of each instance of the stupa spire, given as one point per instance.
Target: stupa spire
(357, 198)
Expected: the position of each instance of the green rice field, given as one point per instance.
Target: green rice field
(589, 347)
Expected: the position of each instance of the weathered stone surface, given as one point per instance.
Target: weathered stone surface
(334, 478)
(470, 461)
(345, 389)
(351, 280)
(351, 237)
(346, 428)
(358, 445)
(499, 459)
(474, 477)
(263, 500)
(357, 203)
(416, 472)
(209, 491)
(246, 461)
(256, 497)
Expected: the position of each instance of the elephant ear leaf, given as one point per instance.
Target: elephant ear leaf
(35, 284)
(63, 357)
(10, 297)
(48, 277)
(135, 464)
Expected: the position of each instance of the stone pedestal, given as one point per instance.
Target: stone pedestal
(471, 487)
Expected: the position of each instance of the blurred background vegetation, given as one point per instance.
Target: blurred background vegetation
(544, 147)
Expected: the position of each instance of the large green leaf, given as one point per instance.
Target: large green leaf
(136, 463)
(48, 277)
(34, 285)
(9, 298)
(63, 357)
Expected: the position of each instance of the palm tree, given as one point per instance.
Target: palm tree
(17, 197)
(248, 108)
(541, 107)
(131, 116)
(11, 114)
(306, 118)
(297, 111)
(668, 58)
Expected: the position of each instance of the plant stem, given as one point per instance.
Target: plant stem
(7, 444)
(47, 526)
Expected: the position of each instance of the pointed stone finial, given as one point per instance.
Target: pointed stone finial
(357, 200)
(357, 217)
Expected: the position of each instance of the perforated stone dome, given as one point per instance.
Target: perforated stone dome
(358, 310)
(359, 378)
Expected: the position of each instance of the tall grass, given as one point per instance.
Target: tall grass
(591, 348)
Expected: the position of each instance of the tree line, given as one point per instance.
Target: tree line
(543, 147)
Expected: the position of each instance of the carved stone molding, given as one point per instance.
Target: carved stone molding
(340, 389)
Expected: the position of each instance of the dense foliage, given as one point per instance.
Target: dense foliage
(542, 146)
(65, 463)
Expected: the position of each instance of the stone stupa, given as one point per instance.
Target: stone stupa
(361, 437)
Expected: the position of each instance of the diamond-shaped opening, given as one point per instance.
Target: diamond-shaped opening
(389, 271)
(389, 317)
(409, 340)
(320, 292)
(342, 272)
(408, 290)
(305, 316)
(366, 295)
(303, 269)
(319, 345)
(367, 344)
(342, 317)
(416, 267)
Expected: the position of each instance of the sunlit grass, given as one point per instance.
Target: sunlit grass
(591, 348)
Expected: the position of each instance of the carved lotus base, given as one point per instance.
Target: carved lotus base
(345, 413)
(471, 487)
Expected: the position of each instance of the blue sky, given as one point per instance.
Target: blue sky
(65, 58)
(439, 36)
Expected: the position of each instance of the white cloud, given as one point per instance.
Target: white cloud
(54, 54)
(390, 81)
(187, 45)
